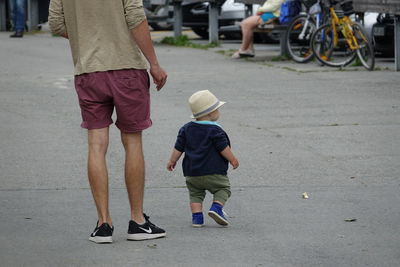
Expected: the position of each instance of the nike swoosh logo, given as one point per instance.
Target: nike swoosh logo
(95, 232)
(149, 231)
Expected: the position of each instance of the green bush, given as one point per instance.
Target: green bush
(184, 41)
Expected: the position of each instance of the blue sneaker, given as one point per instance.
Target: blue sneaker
(216, 212)
(197, 219)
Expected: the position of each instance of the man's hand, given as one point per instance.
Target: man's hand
(142, 37)
(159, 76)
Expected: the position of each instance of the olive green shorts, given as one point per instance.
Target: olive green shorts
(216, 184)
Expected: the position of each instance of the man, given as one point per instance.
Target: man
(17, 10)
(108, 40)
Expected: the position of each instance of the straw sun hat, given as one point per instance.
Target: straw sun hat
(203, 103)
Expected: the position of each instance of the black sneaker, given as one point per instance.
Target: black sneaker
(102, 234)
(144, 231)
(17, 34)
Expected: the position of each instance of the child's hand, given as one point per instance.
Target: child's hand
(171, 165)
(235, 163)
(227, 153)
(173, 159)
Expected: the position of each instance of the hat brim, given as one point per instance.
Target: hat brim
(220, 104)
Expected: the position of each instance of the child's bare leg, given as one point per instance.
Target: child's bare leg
(196, 207)
(219, 202)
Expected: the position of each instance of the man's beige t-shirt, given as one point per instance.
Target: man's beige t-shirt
(99, 32)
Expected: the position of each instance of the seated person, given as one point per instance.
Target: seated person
(267, 13)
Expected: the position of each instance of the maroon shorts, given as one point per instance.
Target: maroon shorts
(127, 90)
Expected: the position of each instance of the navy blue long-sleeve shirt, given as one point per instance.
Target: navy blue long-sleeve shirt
(202, 145)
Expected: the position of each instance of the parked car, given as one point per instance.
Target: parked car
(160, 16)
(369, 21)
(383, 35)
(195, 16)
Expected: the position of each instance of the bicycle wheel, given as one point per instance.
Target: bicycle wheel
(366, 51)
(322, 44)
(298, 38)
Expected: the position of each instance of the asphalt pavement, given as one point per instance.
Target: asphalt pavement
(295, 128)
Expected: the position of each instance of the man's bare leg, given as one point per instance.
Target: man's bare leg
(134, 173)
(97, 172)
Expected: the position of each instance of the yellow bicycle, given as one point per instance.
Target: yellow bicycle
(341, 40)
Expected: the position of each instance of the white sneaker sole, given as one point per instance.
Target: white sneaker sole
(138, 237)
(218, 219)
(197, 225)
(101, 239)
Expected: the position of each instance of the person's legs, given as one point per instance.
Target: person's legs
(15, 13)
(219, 186)
(97, 107)
(19, 15)
(248, 25)
(140, 227)
(197, 194)
(134, 173)
(97, 172)
(14, 9)
(131, 97)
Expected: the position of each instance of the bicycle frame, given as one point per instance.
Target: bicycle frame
(345, 26)
(317, 17)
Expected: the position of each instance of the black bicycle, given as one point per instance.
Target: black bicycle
(301, 29)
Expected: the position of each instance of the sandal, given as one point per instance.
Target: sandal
(242, 54)
(246, 54)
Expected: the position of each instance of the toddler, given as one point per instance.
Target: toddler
(207, 154)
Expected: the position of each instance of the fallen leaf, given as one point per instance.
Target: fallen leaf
(350, 220)
(305, 195)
